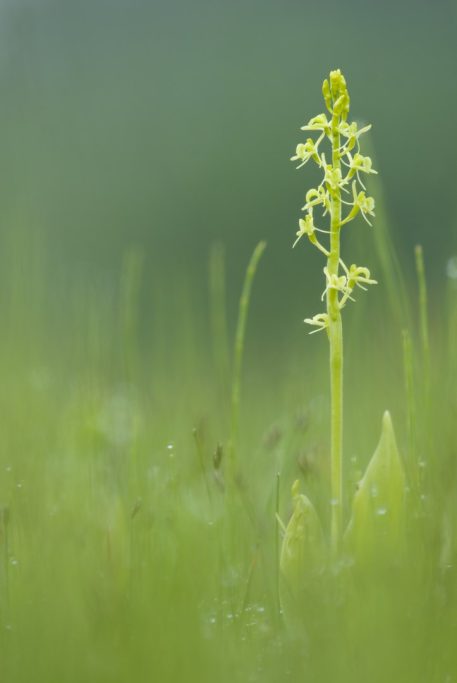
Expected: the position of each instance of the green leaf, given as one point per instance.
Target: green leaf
(376, 531)
(303, 550)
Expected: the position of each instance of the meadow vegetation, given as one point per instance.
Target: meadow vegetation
(147, 529)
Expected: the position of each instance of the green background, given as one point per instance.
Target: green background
(168, 126)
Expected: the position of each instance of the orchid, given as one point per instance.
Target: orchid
(320, 321)
(361, 203)
(343, 136)
(318, 122)
(306, 151)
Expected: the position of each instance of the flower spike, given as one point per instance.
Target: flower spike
(340, 281)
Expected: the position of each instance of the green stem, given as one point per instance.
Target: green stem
(425, 348)
(238, 356)
(411, 405)
(277, 543)
(423, 313)
(335, 334)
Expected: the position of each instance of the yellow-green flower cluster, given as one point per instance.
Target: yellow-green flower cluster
(342, 185)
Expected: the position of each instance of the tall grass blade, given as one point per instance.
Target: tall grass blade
(411, 404)
(392, 273)
(423, 316)
(238, 356)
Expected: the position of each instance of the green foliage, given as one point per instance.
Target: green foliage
(303, 553)
(376, 531)
(122, 556)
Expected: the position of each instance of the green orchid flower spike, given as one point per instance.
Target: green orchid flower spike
(342, 171)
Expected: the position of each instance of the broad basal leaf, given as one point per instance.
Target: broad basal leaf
(376, 532)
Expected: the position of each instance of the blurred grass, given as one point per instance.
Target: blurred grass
(142, 158)
(120, 558)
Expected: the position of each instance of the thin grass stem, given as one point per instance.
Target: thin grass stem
(393, 277)
(423, 316)
(408, 370)
(238, 357)
(277, 541)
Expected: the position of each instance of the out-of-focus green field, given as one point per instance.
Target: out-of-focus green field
(122, 555)
(144, 151)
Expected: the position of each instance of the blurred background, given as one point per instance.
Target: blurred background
(167, 126)
(144, 151)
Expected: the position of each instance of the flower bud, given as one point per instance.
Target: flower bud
(327, 95)
(339, 105)
(337, 83)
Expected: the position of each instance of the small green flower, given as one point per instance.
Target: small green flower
(357, 275)
(317, 197)
(356, 164)
(366, 205)
(360, 203)
(352, 133)
(333, 176)
(318, 122)
(320, 320)
(306, 151)
(337, 282)
(306, 227)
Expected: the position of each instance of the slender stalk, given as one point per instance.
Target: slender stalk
(238, 356)
(277, 543)
(451, 357)
(423, 315)
(425, 440)
(392, 273)
(335, 335)
(342, 174)
(408, 369)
